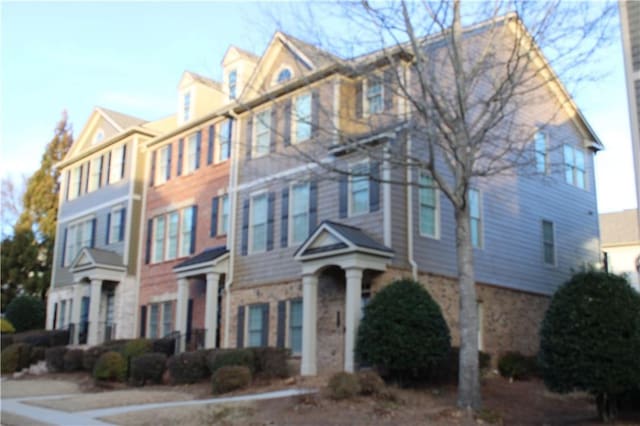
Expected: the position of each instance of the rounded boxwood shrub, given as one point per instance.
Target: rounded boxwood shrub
(343, 385)
(231, 357)
(37, 354)
(15, 357)
(90, 357)
(271, 362)
(73, 360)
(514, 365)
(55, 358)
(188, 367)
(6, 326)
(590, 338)
(147, 367)
(134, 348)
(229, 378)
(165, 345)
(110, 366)
(26, 313)
(403, 332)
(370, 382)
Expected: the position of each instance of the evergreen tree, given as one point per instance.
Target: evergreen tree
(23, 270)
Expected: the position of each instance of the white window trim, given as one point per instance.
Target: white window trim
(117, 164)
(115, 212)
(555, 251)
(98, 137)
(275, 81)
(187, 168)
(294, 117)
(192, 98)
(154, 239)
(92, 171)
(75, 184)
(235, 95)
(288, 325)
(480, 245)
(178, 235)
(71, 237)
(160, 172)
(436, 195)
(183, 215)
(547, 167)
(350, 186)
(291, 241)
(365, 97)
(254, 140)
(252, 196)
(217, 145)
(247, 323)
(574, 167)
(221, 231)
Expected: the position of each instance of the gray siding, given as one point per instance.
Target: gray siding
(87, 202)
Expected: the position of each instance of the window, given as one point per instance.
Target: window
(259, 223)
(476, 218)
(224, 140)
(96, 174)
(574, 166)
(359, 189)
(99, 137)
(255, 328)
(191, 159)
(163, 171)
(302, 117)
(158, 238)
(154, 314)
(284, 75)
(233, 84)
(224, 215)
(172, 235)
(295, 326)
(548, 243)
(166, 318)
(75, 183)
(374, 96)
(262, 133)
(299, 212)
(63, 316)
(116, 171)
(428, 207)
(186, 107)
(79, 235)
(186, 231)
(116, 228)
(540, 142)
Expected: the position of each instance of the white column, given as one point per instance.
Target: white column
(308, 366)
(75, 313)
(94, 312)
(211, 310)
(181, 311)
(352, 316)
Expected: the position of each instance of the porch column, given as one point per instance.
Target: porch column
(211, 310)
(75, 313)
(308, 366)
(94, 312)
(181, 312)
(352, 315)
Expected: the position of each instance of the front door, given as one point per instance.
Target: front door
(331, 327)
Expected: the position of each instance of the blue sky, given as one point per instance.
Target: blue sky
(130, 56)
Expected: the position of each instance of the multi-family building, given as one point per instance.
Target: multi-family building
(253, 234)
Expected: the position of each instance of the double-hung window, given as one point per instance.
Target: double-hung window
(233, 84)
(540, 144)
(75, 183)
(224, 215)
(548, 242)
(299, 212)
(172, 235)
(255, 329)
(166, 318)
(154, 315)
(428, 207)
(96, 173)
(116, 228)
(574, 170)
(302, 117)
(259, 207)
(295, 326)
(79, 235)
(116, 168)
(191, 160)
(186, 106)
(475, 212)
(186, 231)
(224, 140)
(164, 164)
(374, 96)
(158, 238)
(359, 189)
(262, 133)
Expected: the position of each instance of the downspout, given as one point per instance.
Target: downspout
(145, 153)
(412, 262)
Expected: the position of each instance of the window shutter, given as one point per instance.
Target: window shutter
(315, 112)
(374, 187)
(106, 239)
(284, 218)
(214, 216)
(274, 129)
(86, 183)
(198, 148)
(80, 181)
(64, 247)
(124, 160)
(100, 171)
(153, 168)
(388, 89)
(106, 178)
(169, 152)
(212, 130)
(180, 152)
(229, 133)
(122, 224)
(249, 133)
(313, 206)
(282, 324)
(286, 117)
(265, 325)
(270, 220)
(194, 222)
(93, 232)
(147, 256)
(143, 320)
(344, 196)
(240, 328)
(358, 96)
(68, 184)
(245, 228)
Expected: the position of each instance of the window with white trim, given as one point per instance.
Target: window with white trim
(75, 185)
(224, 140)
(154, 316)
(540, 145)
(190, 160)
(172, 235)
(167, 317)
(258, 227)
(359, 191)
(186, 106)
(574, 170)
(295, 326)
(374, 96)
(233, 84)
(475, 212)
(548, 242)
(116, 228)
(299, 212)
(302, 117)
(78, 236)
(158, 238)
(283, 76)
(99, 137)
(262, 140)
(186, 231)
(162, 171)
(95, 173)
(117, 164)
(223, 222)
(255, 326)
(428, 207)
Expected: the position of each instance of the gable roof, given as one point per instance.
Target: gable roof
(320, 58)
(203, 80)
(207, 255)
(120, 120)
(93, 257)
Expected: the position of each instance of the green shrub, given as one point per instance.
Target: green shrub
(370, 382)
(403, 332)
(166, 345)
(229, 378)
(231, 357)
(55, 358)
(147, 367)
(6, 326)
(134, 348)
(44, 338)
(90, 357)
(37, 354)
(110, 366)
(72, 360)
(271, 362)
(343, 385)
(116, 345)
(514, 365)
(590, 338)
(188, 367)
(26, 313)
(15, 357)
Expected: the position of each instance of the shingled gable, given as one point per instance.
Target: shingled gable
(96, 258)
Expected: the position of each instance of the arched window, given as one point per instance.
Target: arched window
(284, 75)
(98, 137)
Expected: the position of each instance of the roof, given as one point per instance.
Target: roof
(207, 255)
(246, 53)
(123, 120)
(619, 227)
(204, 80)
(318, 56)
(357, 236)
(349, 236)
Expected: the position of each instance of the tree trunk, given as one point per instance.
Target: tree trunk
(468, 378)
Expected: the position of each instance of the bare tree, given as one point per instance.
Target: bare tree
(11, 202)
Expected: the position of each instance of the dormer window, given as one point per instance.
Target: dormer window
(284, 75)
(233, 84)
(186, 106)
(99, 137)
